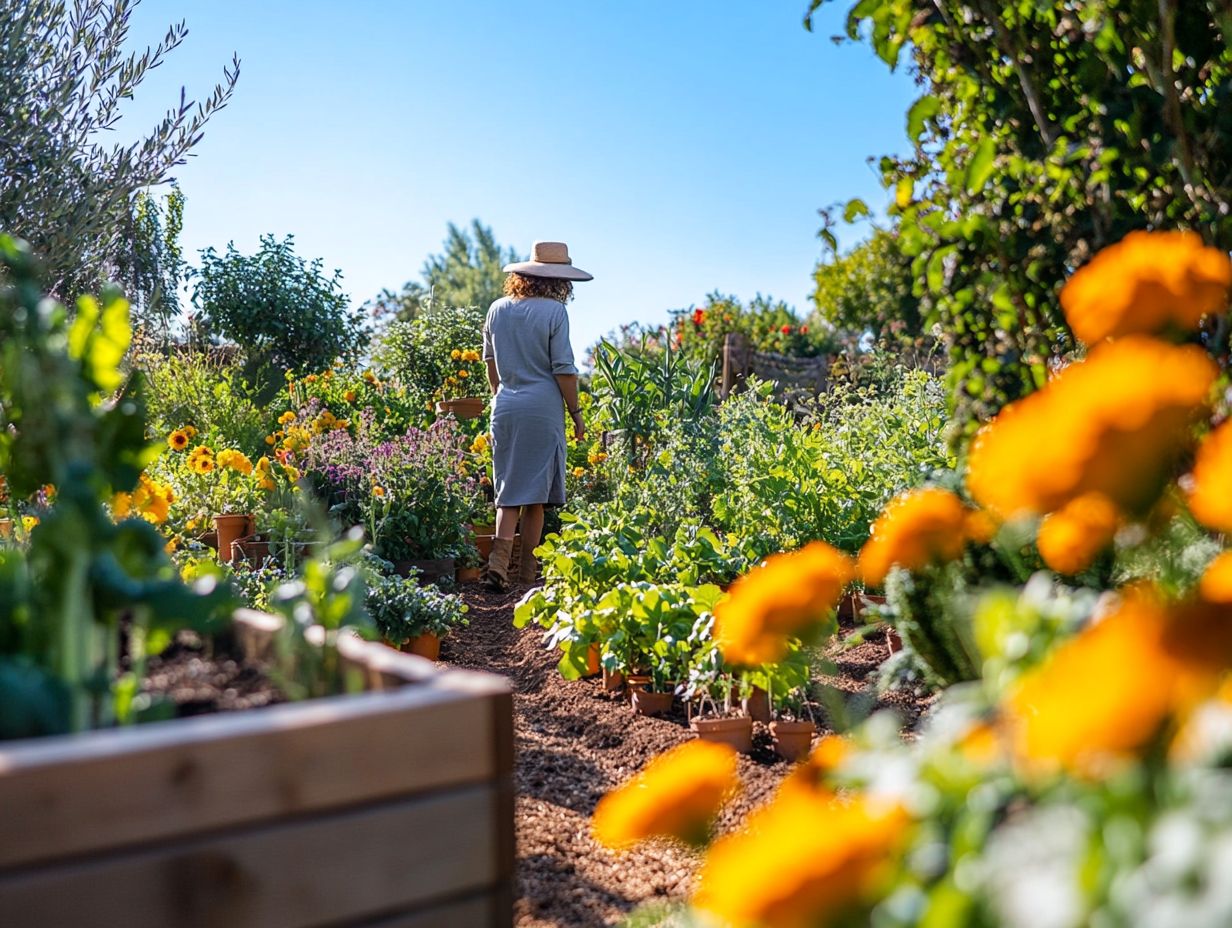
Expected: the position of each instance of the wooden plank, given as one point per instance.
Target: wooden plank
(286, 876)
(70, 795)
(503, 812)
(472, 912)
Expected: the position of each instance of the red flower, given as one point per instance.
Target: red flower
(786, 330)
(699, 316)
(804, 330)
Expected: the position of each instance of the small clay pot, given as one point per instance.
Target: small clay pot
(6, 528)
(736, 731)
(792, 740)
(647, 703)
(894, 640)
(613, 681)
(757, 705)
(466, 407)
(467, 574)
(426, 645)
(254, 548)
(593, 667)
(483, 528)
(231, 527)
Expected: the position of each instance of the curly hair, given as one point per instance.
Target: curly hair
(525, 286)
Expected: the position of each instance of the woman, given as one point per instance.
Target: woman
(531, 372)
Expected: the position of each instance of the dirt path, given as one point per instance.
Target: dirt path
(573, 744)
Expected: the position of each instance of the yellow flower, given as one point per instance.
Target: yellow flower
(789, 596)
(802, 860)
(201, 460)
(121, 505)
(677, 795)
(286, 417)
(190, 431)
(1114, 424)
(579, 471)
(328, 375)
(1102, 696)
(178, 440)
(597, 457)
(1215, 586)
(311, 378)
(470, 355)
(480, 444)
(271, 440)
(235, 460)
(464, 374)
(290, 376)
(455, 355)
(1071, 537)
(349, 396)
(1148, 283)
(1210, 497)
(378, 491)
(292, 473)
(369, 376)
(28, 522)
(916, 529)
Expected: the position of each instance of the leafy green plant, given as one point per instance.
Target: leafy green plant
(86, 589)
(402, 608)
(281, 310)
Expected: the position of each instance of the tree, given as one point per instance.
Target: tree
(62, 188)
(151, 267)
(1045, 131)
(467, 273)
(282, 311)
(869, 290)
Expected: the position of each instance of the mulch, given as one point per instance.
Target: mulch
(574, 742)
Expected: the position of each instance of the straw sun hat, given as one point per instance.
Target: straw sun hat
(548, 259)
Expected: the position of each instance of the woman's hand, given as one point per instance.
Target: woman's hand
(579, 427)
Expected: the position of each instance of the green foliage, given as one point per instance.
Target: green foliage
(417, 353)
(63, 186)
(1043, 133)
(766, 323)
(153, 267)
(65, 598)
(869, 290)
(284, 312)
(207, 390)
(830, 479)
(401, 608)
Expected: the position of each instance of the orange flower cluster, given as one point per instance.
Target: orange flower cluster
(1104, 695)
(1114, 424)
(802, 860)
(916, 529)
(152, 501)
(1215, 586)
(786, 598)
(1147, 284)
(677, 795)
(234, 460)
(1071, 537)
(1210, 497)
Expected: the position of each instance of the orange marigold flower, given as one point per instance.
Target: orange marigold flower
(234, 460)
(1103, 695)
(677, 795)
(1147, 283)
(349, 396)
(789, 596)
(1210, 497)
(1216, 583)
(916, 529)
(812, 773)
(802, 860)
(1071, 537)
(1114, 424)
(378, 491)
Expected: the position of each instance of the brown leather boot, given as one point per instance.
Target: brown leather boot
(528, 571)
(496, 575)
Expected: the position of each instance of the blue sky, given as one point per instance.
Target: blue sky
(678, 146)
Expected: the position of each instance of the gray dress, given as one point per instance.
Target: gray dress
(529, 341)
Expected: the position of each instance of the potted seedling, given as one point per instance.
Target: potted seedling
(712, 687)
(409, 615)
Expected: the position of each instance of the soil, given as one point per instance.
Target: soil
(574, 743)
(200, 680)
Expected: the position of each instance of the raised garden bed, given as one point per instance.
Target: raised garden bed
(389, 807)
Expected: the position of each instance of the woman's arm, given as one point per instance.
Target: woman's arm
(568, 384)
(493, 376)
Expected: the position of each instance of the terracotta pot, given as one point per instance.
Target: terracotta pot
(638, 681)
(894, 641)
(647, 703)
(6, 528)
(468, 574)
(253, 548)
(613, 681)
(429, 571)
(853, 607)
(425, 645)
(231, 527)
(757, 705)
(483, 528)
(738, 731)
(466, 407)
(792, 740)
(593, 667)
